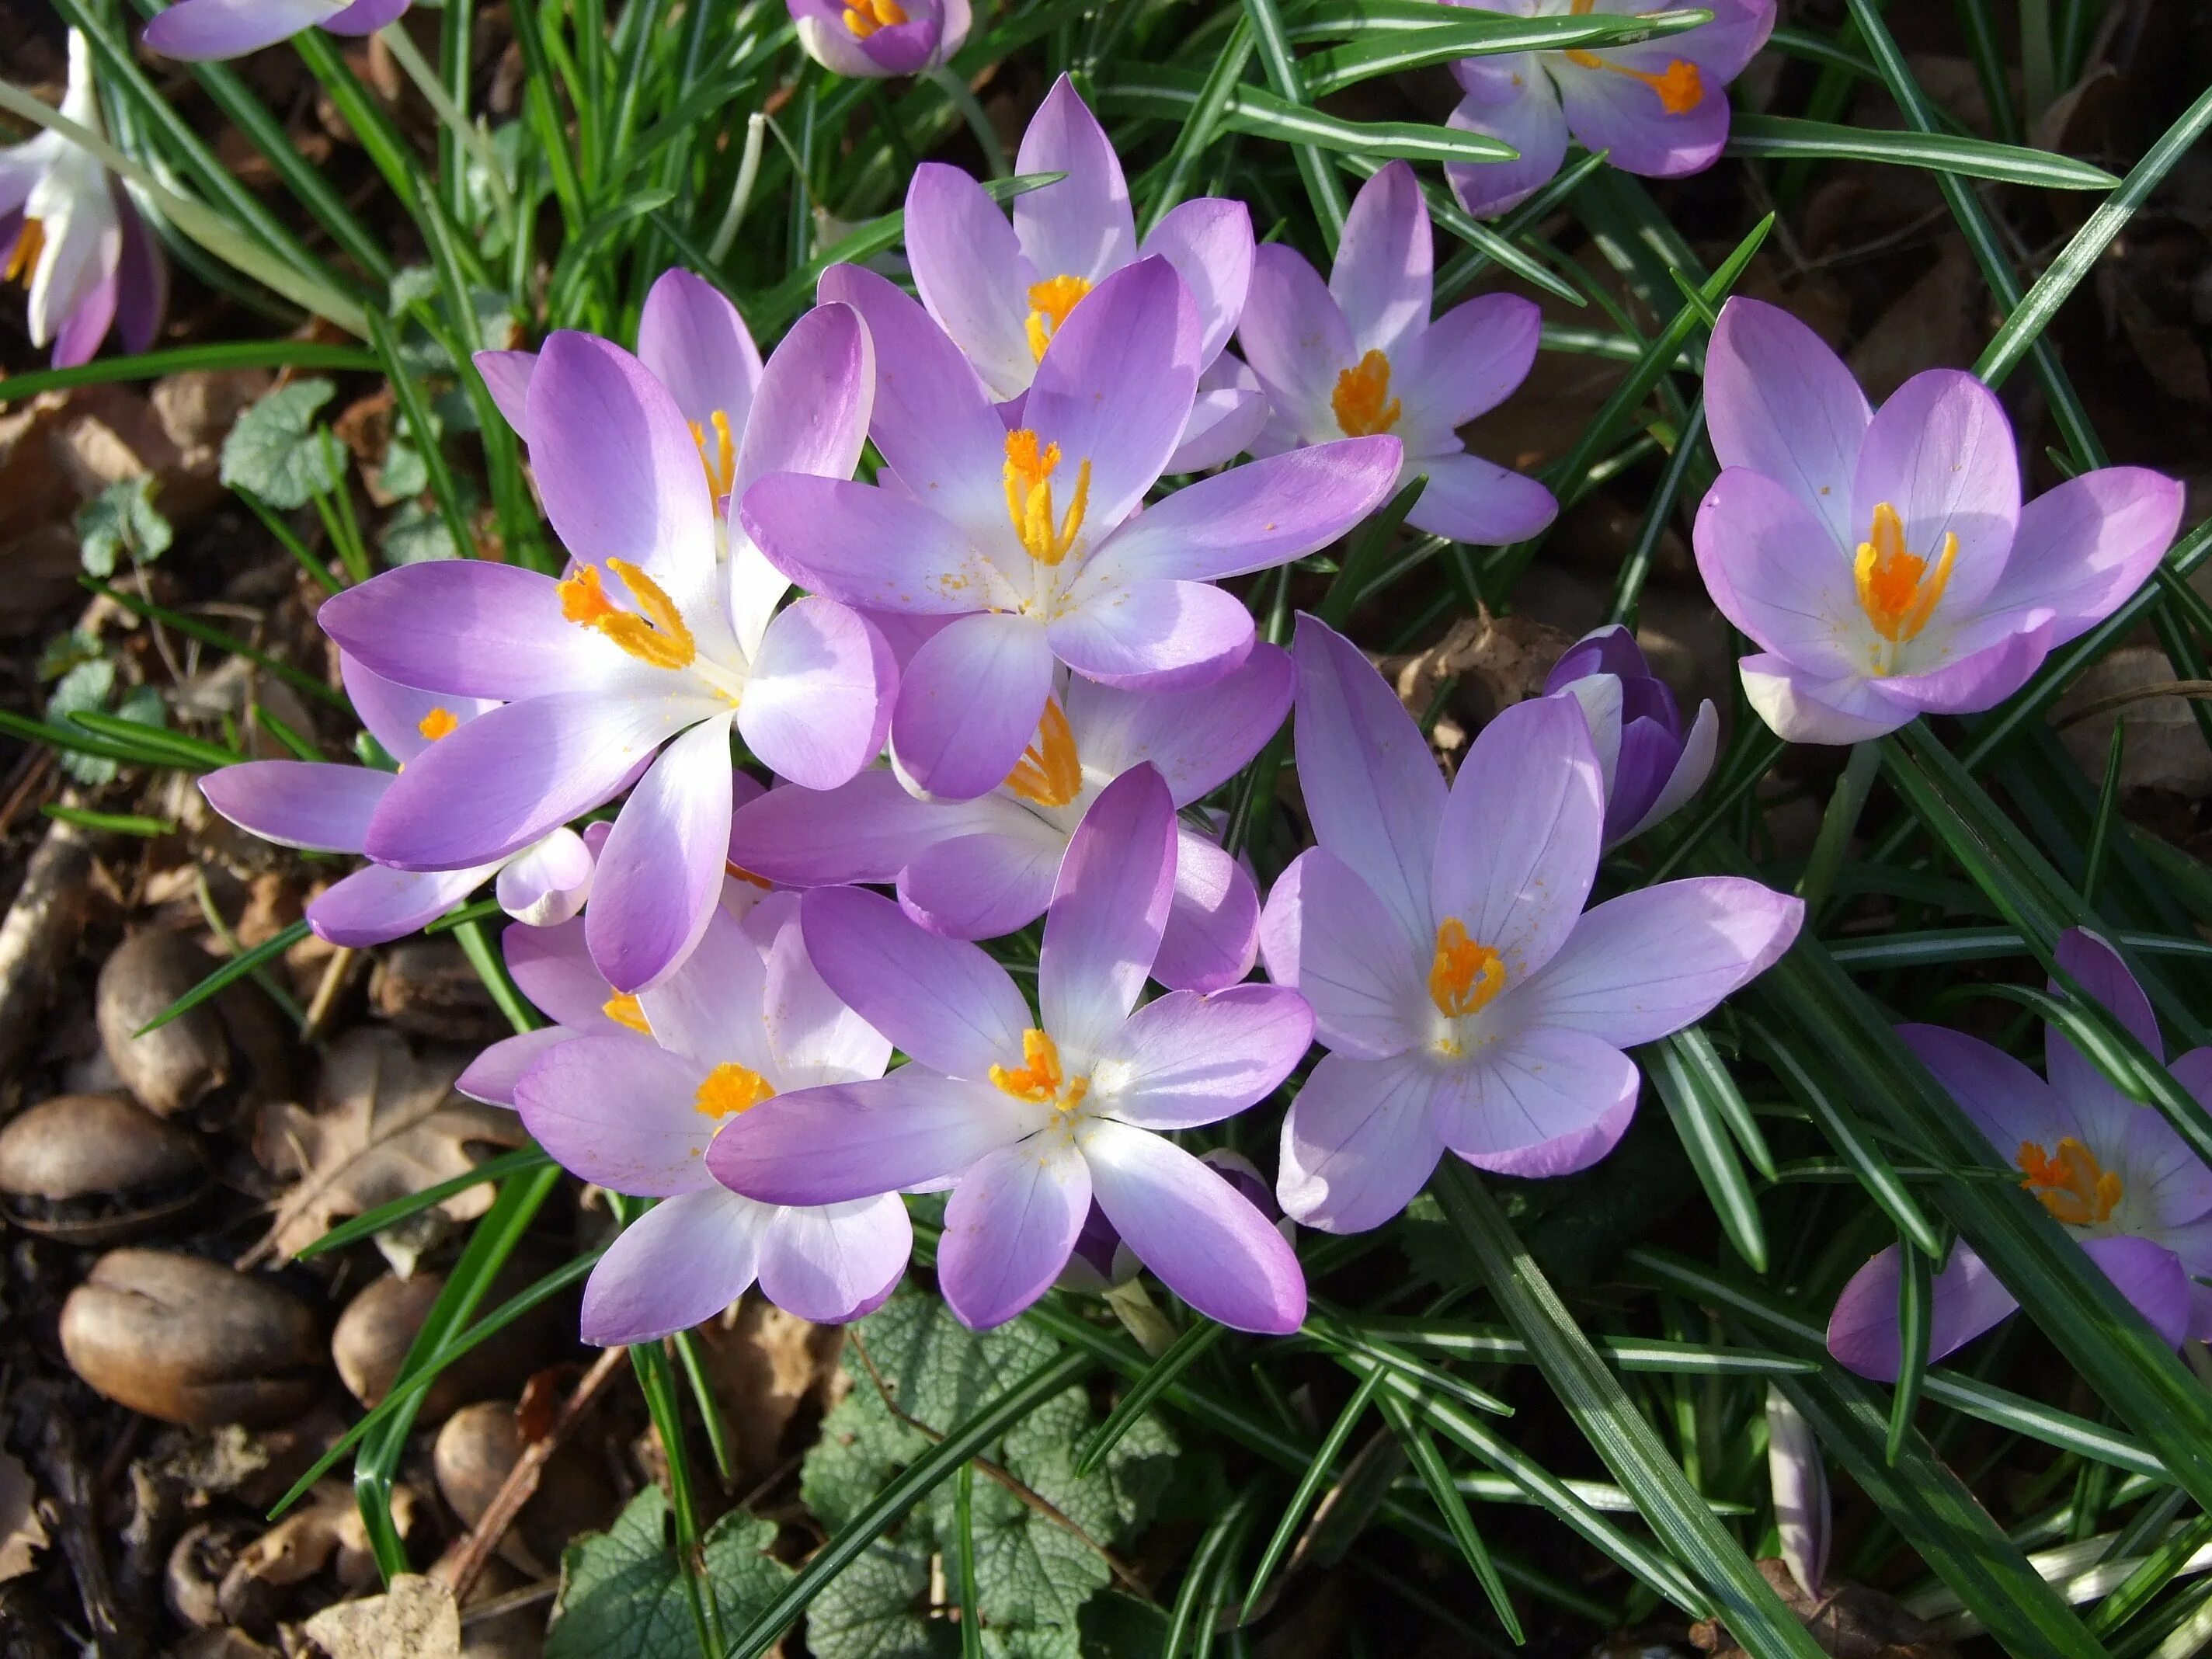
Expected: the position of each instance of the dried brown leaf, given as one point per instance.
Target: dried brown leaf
(415, 1620)
(21, 1533)
(325, 1531)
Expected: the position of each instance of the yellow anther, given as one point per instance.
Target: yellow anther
(655, 633)
(1464, 975)
(731, 1088)
(721, 460)
(865, 17)
(24, 261)
(1679, 87)
(436, 723)
(1050, 301)
(1028, 497)
(623, 1009)
(1038, 1078)
(738, 872)
(1361, 399)
(1049, 772)
(1897, 590)
(2070, 1184)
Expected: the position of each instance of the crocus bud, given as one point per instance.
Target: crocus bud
(1800, 1481)
(1651, 767)
(1102, 1262)
(874, 39)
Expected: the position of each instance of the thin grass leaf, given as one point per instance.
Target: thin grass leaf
(1694, 1047)
(1436, 1476)
(208, 634)
(963, 1557)
(422, 437)
(693, 1358)
(1636, 568)
(1323, 188)
(179, 359)
(1169, 95)
(228, 974)
(1347, 1336)
(1916, 1299)
(113, 824)
(1215, 1553)
(655, 1381)
(370, 1222)
(1316, 1475)
(1704, 1135)
(1494, 1345)
(2151, 1574)
(156, 745)
(1133, 1404)
(1782, 138)
(1392, 50)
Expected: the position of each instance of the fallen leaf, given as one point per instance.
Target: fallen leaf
(764, 1364)
(21, 1534)
(326, 1530)
(1507, 657)
(1851, 1621)
(414, 1620)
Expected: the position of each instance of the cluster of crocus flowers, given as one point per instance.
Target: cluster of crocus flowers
(71, 236)
(2113, 1172)
(1659, 109)
(875, 39)
(201, 30)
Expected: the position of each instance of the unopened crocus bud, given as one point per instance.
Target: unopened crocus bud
(1651, 766)
(1800, 1481)
(875, 39)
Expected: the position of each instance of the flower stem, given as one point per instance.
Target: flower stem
(1842, 818)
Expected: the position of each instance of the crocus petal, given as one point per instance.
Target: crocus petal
(865, 829)
(1780, 403)
(818, 706)
(1941, 453)
(1108, 905)
(1208, 240)
(552, 966)
(2087, 545)
(311, 804)
(691, 337)
(1977, 680)
(710, 1011)
(1382, 279)
(1533, 124)
(1185, 1059)
(678, 1265)
(1538, 1104)
(1807, 708)
(967, 267)
(1295, 338)
(813, 1036)
(366, 16)
(1966, 1300)
(1467, 361)
(1468, 499)
(1151, 634)
(1212, 933)
(2008, 1103)
(661, 873)
(870, 546)
(1650, 962)
(471, 628)
(1327, 933)
(620, 1111)
(400, 717)
(492, 1075)
(375, 905)
(1083, 224)
(1226, 421)
(811, 403)
(942, 1000)
(1206, 1240)
(831, 1262)
(854, 1140)
(2151, 1277)
(1518, 847)
(1009, 1230)
(507, 377)
(983, 885)
(1358, 1142)
(199, 30)
(2097, 968)
(548, 882)
(1198, 739)
(1623, 115)
(141, 295)
(969, 703)
(1766, 563)
(88, 314)
(1692, 768)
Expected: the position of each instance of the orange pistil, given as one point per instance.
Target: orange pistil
(738, 872)
(23, 262)
(1361, 399)
(721, 461)
(437, 724)
(1897, 590)
(1039, 1078)
(731, 1088)
(2071, 1184)
(1679, 87)
(1029, 474)
(1050, 301)
(622, 1008)
(865, 17)
(1049, 772)
(655, 633)
(1464, 975)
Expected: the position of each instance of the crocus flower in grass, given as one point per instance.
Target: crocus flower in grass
(328, 808)
(2111, 1172)
(197, 30)
(1031, 539)
(1468, 1002)
(1884, 561)
(1651, 766)
(1357, 355)
(652, 640)
(874, 39)
(637, 1110)
(976, 869)
(1660, 108)
(68, 231)
(1028, 1117)
(1002, 292)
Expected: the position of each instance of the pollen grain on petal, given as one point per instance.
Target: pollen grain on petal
(730, 1089)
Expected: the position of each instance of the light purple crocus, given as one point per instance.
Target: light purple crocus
(1002, 291)
(979, 868)
(875, 39)
(1102, 1259)
(1651, 766)
(1030, 1116)
(1884, 562)
(69, 234)
(1357, 355)
(636, 1111)
(2111, 1172)
(200, 30)
(1031, 539)
(662, 634)
(328, 808)
(1469, 1004)
(1660, 109)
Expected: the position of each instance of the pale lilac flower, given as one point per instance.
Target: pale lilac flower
(1660, 109)
(69, 234)
(654, 638)
(327, 808)
(1031, 539)
(1102, 1259)
(1884, 562)
(1002, 291)
(874, 39)
(2111, 1172)
(1797, 1476)
(1357, 355)
(1651, 766)
(635, 1111)
(196, 30)
(979, 868)
(1469, 1003)
(1029, 1117)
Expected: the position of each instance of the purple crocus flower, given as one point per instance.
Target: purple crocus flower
(327, 808)
(1884, 562)
(976, 869)
(1102, 1259)
(874, 39)
(1031, 539)
(1660, 109)
(1651, 765)
(2111, 1172)
(637, 1110)
(1469, 1003)
(198, 30)
(69, 232)
(659, 635)
(1001, 293)
(1357, 355)
(1030, 1116)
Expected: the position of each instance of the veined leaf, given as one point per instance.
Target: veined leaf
(1781, 137)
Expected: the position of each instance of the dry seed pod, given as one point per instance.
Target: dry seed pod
(96, 1169)
(182, 1062)
(191, 1341)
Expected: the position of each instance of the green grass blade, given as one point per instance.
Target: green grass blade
(1695, 1049)
(206, 633)
(227, 974)
(2152, 1574)
(1391, 51)
(113, 824)
(1494, 1345)
(1323, 188)
(376, 1220)
(1428, 1462)
(1782, 138)
(1916, 1296)
(1188, 1625)
(1704, 1137)
(1316, 1475)
(179, 359)
(1139, 1400)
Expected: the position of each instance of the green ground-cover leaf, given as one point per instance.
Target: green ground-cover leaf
(622, 1596)
(275, 451)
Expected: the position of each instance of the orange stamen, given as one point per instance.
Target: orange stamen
(1897, 590)
(624, 1010)
(1679, 87)
(865, 17)
(1038, 1078)
(1050, 301)
(1361, 399)
(739, 873)
(1465, 976)
(731, 1088)
(655, 633)
(1049, 772)
(2071, 1184)
(437, 724)
(24, 261)
(721, 464)
(1028, 497)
